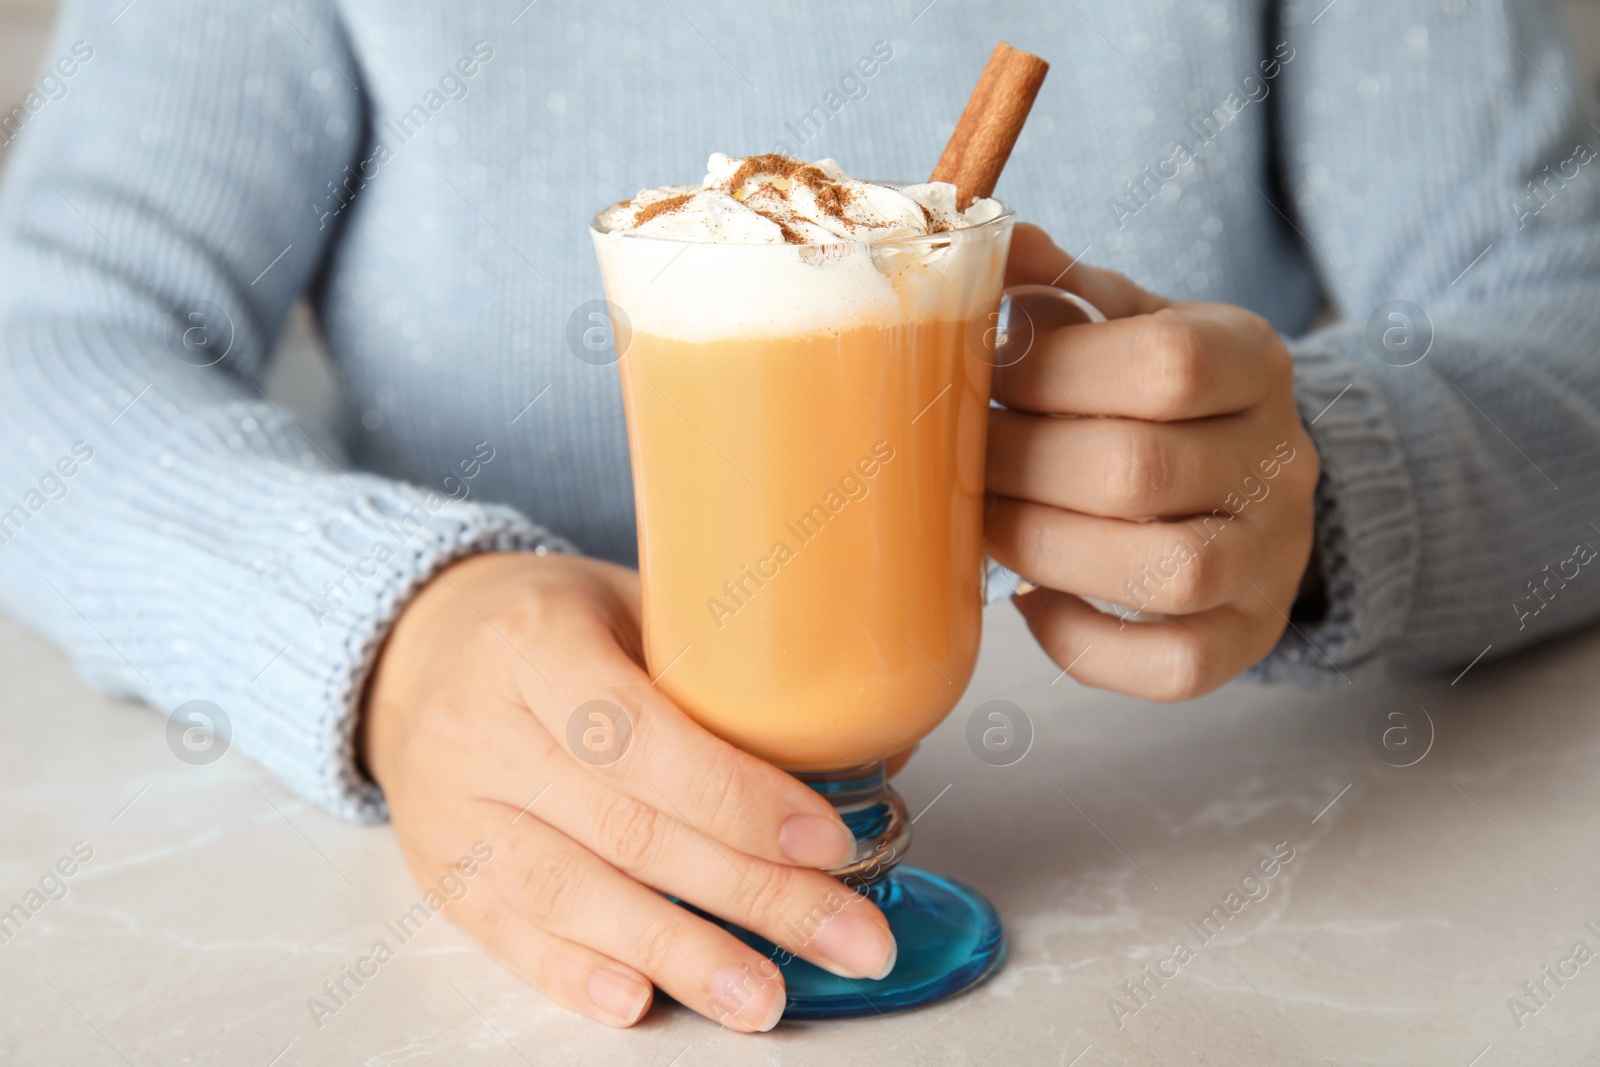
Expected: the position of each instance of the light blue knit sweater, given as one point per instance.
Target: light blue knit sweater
(425, 172)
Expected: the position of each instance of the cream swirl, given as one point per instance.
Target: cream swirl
(774, 199)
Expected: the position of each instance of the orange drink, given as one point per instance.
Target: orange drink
(810, 532)
(807, 428)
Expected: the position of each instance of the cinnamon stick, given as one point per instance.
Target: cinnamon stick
(990, 123)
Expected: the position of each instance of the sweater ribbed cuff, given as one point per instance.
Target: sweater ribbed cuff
(348, 591)
(1367, 527)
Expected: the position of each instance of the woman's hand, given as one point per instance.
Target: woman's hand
(1201, 435)
(466, 730)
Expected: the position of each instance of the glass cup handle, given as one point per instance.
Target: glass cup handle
(1001, 582)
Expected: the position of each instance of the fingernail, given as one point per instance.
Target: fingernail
(741, 991)
(816, 841)
(856, 944)
(618, 995)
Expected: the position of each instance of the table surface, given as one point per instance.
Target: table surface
(1417, 902)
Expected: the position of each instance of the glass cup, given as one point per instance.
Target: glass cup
(807, 428)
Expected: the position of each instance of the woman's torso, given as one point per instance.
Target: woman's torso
(459, 262)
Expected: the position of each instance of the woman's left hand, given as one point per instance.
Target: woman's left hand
(1200, 436)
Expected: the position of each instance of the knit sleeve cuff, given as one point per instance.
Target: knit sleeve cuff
(346, 591)
(1367, 527)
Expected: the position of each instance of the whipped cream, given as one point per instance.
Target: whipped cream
(769, 246)
(774, 199)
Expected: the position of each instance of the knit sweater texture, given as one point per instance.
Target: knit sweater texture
(424, 174)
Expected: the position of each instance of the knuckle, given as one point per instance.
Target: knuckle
(552, 885)
(1035, 538)
(1294, 467)
(658, 943)
(1264, 339)
(1191, 589)
(1299, 484)
(628, 830)
(1177, 354)
(761, 893)
(535, 617)
(1184, 673)
(722, 798)
(1308, 471)
(1279, 363)
(1247, 324)
(1133, 473)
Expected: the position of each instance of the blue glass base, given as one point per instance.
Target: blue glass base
(948, 936)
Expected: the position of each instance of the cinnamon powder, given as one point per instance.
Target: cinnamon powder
(660, 207)
(768, 163)
(772, 201)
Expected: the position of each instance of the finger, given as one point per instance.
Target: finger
(1035, 260)
(1179, 567)
(1167, 661)
(1189, 361)
(574, 976)
(568, 892)
(802, 911)
(1125, 468)
(730, 795)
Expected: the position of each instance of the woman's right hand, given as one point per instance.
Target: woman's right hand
(466, 727)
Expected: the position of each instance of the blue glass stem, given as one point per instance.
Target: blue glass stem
(874, 812)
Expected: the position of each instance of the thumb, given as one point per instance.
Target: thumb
(1035, 260)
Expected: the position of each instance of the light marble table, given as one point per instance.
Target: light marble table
(1418, 899)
